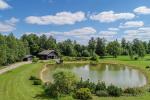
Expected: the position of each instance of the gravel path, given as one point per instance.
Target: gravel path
(13, 66)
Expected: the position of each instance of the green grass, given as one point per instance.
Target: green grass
(15, 85)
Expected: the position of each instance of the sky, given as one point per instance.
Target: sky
(77, 19)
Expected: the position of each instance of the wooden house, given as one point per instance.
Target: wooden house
(48, 54)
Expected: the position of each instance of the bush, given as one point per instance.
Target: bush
(100, 86)
(133, 91)
(149, 89)
(37, 82)
(83, 94)
(35, 59)
(94, 58)
(136, 58)
(51, 90)
(114, 91)
(85, 53)
(33, 78)
(102, 93)
(94, 63)
(147, 67)
(86, 84)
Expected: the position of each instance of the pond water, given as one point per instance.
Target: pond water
(119, 75)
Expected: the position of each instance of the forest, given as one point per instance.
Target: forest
(13, 49)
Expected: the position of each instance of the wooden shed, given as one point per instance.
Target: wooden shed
(27, 58)
(48, 54)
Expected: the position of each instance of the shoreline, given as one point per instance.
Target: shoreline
(105, 62)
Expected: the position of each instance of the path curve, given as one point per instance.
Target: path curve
(13, 66)
(41, 73)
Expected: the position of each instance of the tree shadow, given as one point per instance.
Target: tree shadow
(43, 96)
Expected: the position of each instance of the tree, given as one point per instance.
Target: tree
(148, 47)
(145, 44)
(50, 43)
(138, 48)
(130, 50)
(64, 80)
(113, 48)
(67, 48)
(124, 47)
(123, 43)
(92, 45)
(100, 47)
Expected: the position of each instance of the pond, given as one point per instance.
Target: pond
(119, 75)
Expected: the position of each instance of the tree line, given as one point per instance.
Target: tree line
(13, 49)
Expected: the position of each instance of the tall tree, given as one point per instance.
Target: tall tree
(138, 48)
(100, 47)
(113, 48)
(92, 46)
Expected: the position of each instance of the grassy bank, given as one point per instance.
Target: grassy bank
(14, 85)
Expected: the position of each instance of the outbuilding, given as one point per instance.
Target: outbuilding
(48, 54)
(27, 57)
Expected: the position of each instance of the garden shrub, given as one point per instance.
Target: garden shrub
(35, 59)
(94, 58)
(102, 93)
(86, 84)
(83, 94)
(94, 63)
(51, 90)
(37, 82)
(114, 91)
(147, 67)
(136, 58)
(133, 91)
(100, 86)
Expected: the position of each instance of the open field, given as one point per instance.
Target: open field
(15, 84)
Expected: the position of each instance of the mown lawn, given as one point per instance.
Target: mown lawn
(15, 85)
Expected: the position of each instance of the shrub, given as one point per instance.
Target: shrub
(65, 80)
(136, 58)
(149, 89)
(94, 58)
(51, 90)
(33, 78)
(85, 53)
(94, 63)
(35, 59)
(83, 94)
(147, 67)
(114, 91)
(133, 91)
(100, 86)
(86, 84)
(37, 82)
(102, 93)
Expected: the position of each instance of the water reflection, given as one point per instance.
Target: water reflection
(119, 75)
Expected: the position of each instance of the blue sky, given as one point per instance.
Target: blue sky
(77, 19)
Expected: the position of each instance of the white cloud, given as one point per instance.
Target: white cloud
(82, 35)
(113, 29)
(141, 33)
(107, 33)
(60, 18)
(142, 10)
(3, 5)
(8, 25)
(111, 16)
(132, 24)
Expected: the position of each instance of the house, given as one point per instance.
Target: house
(48, 54)
(27, 58)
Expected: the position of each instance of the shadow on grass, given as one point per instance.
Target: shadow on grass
(44, 97)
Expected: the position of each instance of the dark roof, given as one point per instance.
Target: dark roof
(46, 52)
(27, 56)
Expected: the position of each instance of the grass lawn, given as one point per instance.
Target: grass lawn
(14, 85)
